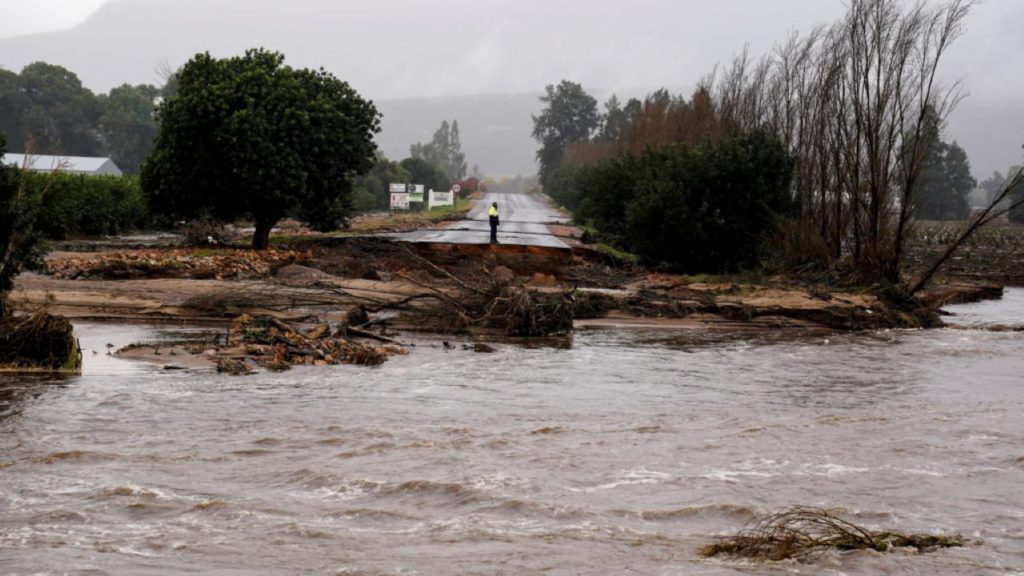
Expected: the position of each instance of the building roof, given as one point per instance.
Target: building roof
(70, 164)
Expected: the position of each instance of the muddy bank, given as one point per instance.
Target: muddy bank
(324, 282)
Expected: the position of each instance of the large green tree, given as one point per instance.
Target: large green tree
(47, 109)
(371, 192)
(127, 124)
(945, 183)
(249, 135)
(569, 115)
(426, 173)
(444, 150)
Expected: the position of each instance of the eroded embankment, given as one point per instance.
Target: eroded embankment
(481, 290)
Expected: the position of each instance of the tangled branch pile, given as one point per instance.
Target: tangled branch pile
(39, 341)
(274, 345)
(801, 533)
(524, 313)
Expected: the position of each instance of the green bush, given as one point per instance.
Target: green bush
(708, 208)
(704, 208)
(75, 204)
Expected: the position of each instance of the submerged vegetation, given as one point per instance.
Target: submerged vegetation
(803, 533)
(39, 341)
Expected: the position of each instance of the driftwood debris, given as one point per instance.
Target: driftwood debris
(802, 533)
(39, 342)
(273, 344)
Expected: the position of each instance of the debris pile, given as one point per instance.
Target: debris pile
(802, 533)
(267, 342)
(39, 341)
(176, 263)
(526, 313)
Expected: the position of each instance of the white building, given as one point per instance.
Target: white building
(67, 164)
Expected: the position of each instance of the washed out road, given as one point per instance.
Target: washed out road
(524, 219)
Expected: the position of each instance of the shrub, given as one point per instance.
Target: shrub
(704, 208)
(73, 204)
(707, 208)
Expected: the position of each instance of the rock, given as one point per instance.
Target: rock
(356, 316)
(483, 348)
(319, 332)
(502, 275)
(233, 366)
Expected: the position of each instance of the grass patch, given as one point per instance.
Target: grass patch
(619, 256)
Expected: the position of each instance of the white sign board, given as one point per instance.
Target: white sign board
(396, 188)
(416, 192)
(441, 199)
(399, 200)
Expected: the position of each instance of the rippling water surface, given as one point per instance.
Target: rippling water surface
(621, 455)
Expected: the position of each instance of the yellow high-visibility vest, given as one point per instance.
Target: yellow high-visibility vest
(492, 211)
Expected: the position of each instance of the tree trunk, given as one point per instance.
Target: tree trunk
(261, 238)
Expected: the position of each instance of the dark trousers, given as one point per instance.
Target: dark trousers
(494, 232)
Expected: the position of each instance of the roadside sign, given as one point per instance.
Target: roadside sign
(397, 188)
(416, 192)
(441, 199)
(456, 188)
(399, 200)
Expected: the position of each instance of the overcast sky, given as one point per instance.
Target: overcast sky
(414, 48)
(32, 16)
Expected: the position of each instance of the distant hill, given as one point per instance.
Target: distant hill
(126, 41)
(384, 56)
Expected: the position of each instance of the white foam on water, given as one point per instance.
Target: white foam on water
(829, 470)
(628, 478)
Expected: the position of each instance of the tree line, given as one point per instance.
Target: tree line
(857, 109)
(245, 136)
(44, 109)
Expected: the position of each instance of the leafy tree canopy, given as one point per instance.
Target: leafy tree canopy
(423, 172)
(945, 183)
(127, 124)
(46, 110)
(249, 135)
(445, 150)
(570, 115)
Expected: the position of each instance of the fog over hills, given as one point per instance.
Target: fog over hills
(484, 62)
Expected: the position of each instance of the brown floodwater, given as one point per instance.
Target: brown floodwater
(620, 455)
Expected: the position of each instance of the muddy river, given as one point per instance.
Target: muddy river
(620, 455)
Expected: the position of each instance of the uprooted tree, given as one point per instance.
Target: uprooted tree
(250, 136)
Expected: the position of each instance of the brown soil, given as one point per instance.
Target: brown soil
(378, 274)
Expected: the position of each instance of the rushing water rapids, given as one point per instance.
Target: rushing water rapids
(621, 455)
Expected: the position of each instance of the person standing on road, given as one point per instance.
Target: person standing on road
(492, 214)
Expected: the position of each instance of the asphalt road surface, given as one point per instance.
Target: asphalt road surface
(523, 222)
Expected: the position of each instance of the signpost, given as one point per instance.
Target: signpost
(416, 192)
(441, 199)
(399, 200)
(399, 196)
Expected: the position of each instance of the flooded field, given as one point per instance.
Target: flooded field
(621, 455)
